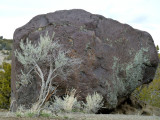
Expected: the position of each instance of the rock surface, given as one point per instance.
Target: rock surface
(132, 106)
(116, 57)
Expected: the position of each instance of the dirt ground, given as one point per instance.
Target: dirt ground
(79, 116)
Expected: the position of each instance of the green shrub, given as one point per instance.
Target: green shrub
(5, 88)
(8, 47)
(43, 114)
(150, 94)
(1, 37)
(1, 48)
(9, 57)
(3, 52)
(6, 52)
(30, 114)
(6, 44)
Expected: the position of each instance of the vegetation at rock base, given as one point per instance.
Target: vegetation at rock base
(150, 94)
(93, 103)
(5, 85)
(67, 104)
(47, 53)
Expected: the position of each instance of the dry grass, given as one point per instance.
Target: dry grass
(67, 104)
(79, 116)
(69, 101)
(93, 103)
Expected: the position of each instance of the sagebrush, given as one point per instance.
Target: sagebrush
(49, 55)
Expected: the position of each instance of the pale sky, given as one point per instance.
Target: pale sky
(140, 14)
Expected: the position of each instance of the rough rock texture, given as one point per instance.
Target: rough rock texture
(116, 57)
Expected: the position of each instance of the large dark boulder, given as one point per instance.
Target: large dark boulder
(116, 57)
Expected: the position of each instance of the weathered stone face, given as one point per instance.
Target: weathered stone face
(116, 57)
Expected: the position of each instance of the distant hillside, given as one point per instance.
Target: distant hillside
(6, 44)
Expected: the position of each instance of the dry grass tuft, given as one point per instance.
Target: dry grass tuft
(93, 103)
(67, 104)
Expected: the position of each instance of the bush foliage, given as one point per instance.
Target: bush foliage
(5, 44)
(5, 85)
(150, 94)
